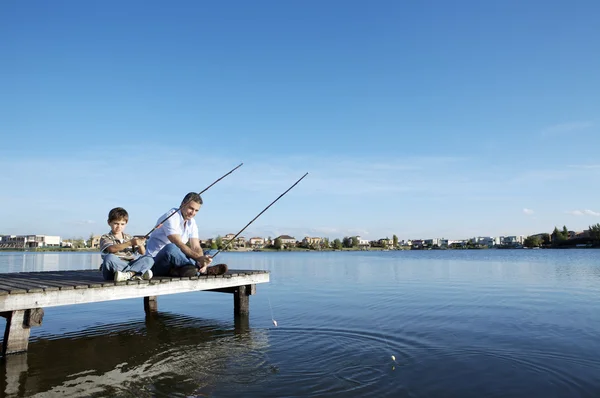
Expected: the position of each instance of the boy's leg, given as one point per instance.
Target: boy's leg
(140, 264)
(112, 264)
(170, 256)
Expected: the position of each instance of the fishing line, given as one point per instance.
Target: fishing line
(271, 308)
(387, 343)
(247, 225)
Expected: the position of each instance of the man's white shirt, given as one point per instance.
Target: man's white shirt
(175, 225)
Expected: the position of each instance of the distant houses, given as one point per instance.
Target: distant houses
(286, 241)
(94, 242)
(312, 242)
(29, 241)
(363, 244)
(256, 242)
(558, 238)
(357, 242)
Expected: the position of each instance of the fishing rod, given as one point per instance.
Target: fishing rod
(242, 230)
(199, 193)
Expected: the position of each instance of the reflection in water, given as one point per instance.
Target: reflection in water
(165, 355)
(47, 261)
(469, 324)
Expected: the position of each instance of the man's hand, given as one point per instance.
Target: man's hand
(203, 263)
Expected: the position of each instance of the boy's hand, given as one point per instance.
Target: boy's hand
(138, 241)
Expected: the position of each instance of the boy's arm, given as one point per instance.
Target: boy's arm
(118, 247)
(107, 245)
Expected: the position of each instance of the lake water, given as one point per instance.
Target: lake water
(488, 323)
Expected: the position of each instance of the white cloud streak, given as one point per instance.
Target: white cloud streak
(586, 212)
(83, 222)
(528, 212)
(342, 195)
(584, 166)
(565, 128)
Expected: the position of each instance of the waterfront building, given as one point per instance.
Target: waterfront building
(29, 241)
(256, 243)
(287, 241)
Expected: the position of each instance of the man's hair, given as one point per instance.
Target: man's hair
(192, 197)
(118, 213)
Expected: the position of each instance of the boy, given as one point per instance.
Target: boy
(123, 257)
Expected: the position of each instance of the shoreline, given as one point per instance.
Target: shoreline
(345, 249)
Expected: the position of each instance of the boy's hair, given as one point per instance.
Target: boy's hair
(118, 213)
(192, 197)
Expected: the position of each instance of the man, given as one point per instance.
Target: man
(168, 243)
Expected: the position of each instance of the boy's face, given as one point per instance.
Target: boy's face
(117, 226)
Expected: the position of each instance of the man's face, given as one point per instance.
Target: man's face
(190, 209)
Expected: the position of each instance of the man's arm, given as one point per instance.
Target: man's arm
(195, 245)
(205, 260)
(189, 252)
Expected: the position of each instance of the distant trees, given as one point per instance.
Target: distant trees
(532, 241)
(559, 238)
(545, 239)
(558, 235)
(278, 244)
(594, 231)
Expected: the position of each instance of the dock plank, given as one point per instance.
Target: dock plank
(27, 284)
(52, 282)
(55, 288)
(11, 289)
(24, 295)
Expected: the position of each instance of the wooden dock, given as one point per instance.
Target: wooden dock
(23, 296)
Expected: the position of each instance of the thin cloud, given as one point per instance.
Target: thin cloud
(372, 184)
(300, 232)
(584, 166)
(565, 128)
(586, 212)
(541, 176)
(527, 211)
(83, 222)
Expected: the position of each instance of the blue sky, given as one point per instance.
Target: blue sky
(422, 119)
